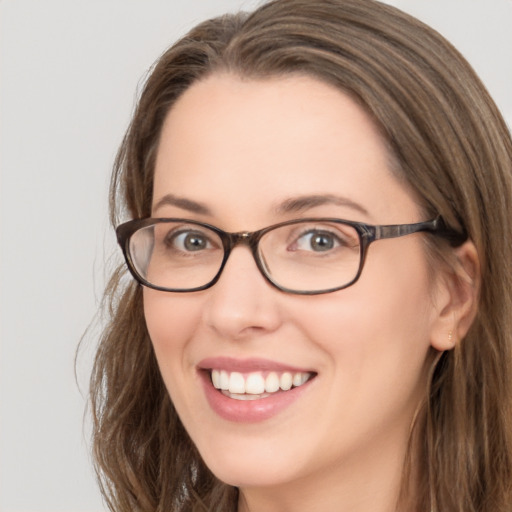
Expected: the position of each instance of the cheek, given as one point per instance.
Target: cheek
(380, 328)
(396, 287)
(171, 320)
(398, 310)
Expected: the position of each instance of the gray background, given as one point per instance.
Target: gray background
(68, 74)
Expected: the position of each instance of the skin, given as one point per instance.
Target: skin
(240, 148)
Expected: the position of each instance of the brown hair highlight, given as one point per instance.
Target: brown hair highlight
(452, 148)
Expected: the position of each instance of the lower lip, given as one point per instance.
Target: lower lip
(249, 411)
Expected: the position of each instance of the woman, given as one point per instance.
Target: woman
(322, 225)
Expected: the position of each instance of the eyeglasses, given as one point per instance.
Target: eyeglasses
(302, 256)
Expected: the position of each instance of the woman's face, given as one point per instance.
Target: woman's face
(243, 155)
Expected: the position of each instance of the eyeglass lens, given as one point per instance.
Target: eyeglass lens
(304, 256)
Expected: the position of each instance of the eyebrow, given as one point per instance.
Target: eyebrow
(302, 203)
(184, 204)
(293, 205)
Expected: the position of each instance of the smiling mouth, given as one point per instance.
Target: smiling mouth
(256, 385)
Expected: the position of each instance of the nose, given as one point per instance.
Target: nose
(242, 303)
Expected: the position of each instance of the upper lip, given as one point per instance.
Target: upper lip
(247, 365)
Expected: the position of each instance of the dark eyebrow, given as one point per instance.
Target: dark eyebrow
(184, 204)
(302, 203)
(292, 205)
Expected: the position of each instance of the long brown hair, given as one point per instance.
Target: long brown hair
(450, 145)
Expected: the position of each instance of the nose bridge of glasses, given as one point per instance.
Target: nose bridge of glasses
(247, 239)
(243, 238)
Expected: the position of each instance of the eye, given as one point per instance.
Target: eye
(188, 241)
(317, 241)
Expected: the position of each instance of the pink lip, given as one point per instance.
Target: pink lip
(248, 411)
(247, 365)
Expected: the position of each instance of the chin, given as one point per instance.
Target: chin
(242, 476)
(252, 466)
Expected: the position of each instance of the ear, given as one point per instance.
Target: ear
(456, 297)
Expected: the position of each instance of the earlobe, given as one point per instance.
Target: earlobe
(458, 292)
(442, 339)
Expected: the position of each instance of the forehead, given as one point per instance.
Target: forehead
(249, 144)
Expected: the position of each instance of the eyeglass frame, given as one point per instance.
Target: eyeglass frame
(367, 233)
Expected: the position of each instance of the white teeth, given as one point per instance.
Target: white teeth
(236, 383)
(254, 384)
(272, 382)
(243, 397)
(216, 379)
(224, 380)
(286, 381)
(297, 379)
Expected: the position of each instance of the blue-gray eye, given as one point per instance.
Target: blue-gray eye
(317, 241)
(189, 241)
